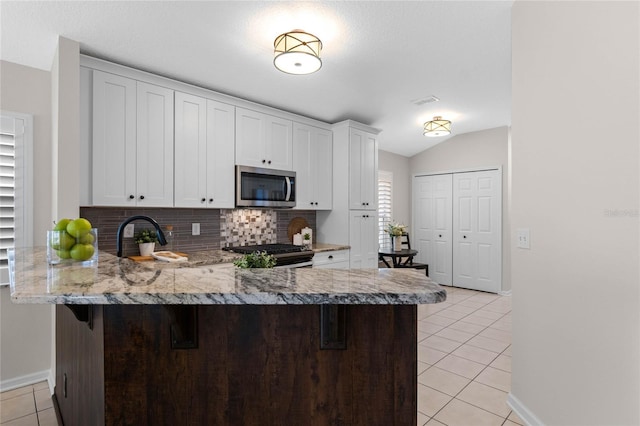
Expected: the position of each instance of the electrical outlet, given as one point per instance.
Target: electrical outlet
(195, 229)
(128, 231)
(523, 238)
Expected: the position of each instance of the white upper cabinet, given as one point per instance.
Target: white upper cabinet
(312, 162)
(363, 165)
(263, 140)
(132, 142)
(204, 134)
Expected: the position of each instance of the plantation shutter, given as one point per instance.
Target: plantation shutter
(385, 184)
(7, 201)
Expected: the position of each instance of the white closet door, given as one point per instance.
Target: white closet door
(477, 207)
(433, 225)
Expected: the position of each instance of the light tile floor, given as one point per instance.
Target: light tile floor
(27, 406)
(464, 360)
(464, 367)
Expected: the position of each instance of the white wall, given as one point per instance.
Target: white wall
(470, 151)
(575, 153)
(401, 189)
(25, 334)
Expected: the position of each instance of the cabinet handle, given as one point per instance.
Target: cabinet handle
(142, 197)
(203, 200)
(211, 200)
(131, 197)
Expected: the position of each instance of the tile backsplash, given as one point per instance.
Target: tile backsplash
(218, 227)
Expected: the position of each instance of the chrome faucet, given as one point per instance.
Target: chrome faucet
(127, 221)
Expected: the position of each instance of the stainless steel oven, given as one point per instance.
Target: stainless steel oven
(257, 187)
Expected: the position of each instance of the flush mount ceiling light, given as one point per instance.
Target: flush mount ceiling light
(437, 127)
(297, 52)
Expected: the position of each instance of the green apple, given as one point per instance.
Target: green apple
(63, 254)
(87, 238)
(61, 225)
(61, 240)
(79, 227)
(82, 251)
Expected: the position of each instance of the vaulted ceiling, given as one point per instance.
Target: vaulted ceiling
(381, 60)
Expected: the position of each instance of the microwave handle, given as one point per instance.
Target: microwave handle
(288, 180)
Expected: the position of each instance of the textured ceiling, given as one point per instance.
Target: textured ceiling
(378, 57)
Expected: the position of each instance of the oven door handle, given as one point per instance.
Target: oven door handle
(288, 180)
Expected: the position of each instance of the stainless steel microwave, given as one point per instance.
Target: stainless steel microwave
(256, 187)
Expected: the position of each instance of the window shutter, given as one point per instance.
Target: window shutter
(385, 185)
(7, 200)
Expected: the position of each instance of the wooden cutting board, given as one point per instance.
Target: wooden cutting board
(147, 258)
(295, 226)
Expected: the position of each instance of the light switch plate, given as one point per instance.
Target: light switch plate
(523, 238)
(195, 229)
(128, 230)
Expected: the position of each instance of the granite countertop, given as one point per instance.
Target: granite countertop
(209, 278)
(320, 247)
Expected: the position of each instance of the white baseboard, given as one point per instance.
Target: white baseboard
(26, 380)
(504, 292)
(51, 380)
(523, 412)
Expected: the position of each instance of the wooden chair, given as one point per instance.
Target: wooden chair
(408, 262)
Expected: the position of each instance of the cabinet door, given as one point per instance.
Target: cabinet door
(322, 179)
(432, 225)
(363, 165)
(477, 230)
(191, 150)
(363, 239)
(312, 162)
(302, 165)
(154, 146)
(114, 140)
(250, 138)
(220, 149)
(279, 144)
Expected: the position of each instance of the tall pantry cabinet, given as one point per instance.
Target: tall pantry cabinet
(353, 219)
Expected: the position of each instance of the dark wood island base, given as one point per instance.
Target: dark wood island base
(236, 365)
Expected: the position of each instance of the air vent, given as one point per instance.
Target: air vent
(427, 100)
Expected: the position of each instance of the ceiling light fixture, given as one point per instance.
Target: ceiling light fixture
(297, 52)
(437, 127)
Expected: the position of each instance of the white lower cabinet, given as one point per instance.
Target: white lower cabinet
(338, 259)
(204, 170)
(363, 238)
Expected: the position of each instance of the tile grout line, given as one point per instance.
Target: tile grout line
(485, 366)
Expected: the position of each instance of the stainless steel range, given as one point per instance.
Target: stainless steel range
(287, 255)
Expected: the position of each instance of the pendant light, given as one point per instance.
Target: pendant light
(297, 52)
(437, 127)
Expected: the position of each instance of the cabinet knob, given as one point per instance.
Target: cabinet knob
(269, 161)
(316, 203)
(264, 161)
(131, 197)
(464, 236)
(211, 200)
(142, 197)
(311, 203)
(363, 204)
(440, 236)
(203, 200)
(330, 256)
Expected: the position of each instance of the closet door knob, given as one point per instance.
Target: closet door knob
(264, 161)
(203, 200)
(131, 197)
(211, 200)
(142, 197)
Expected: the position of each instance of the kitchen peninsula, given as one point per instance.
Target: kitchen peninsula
(206, 343)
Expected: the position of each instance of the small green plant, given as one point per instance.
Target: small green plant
(145, 236)
(257, 259)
